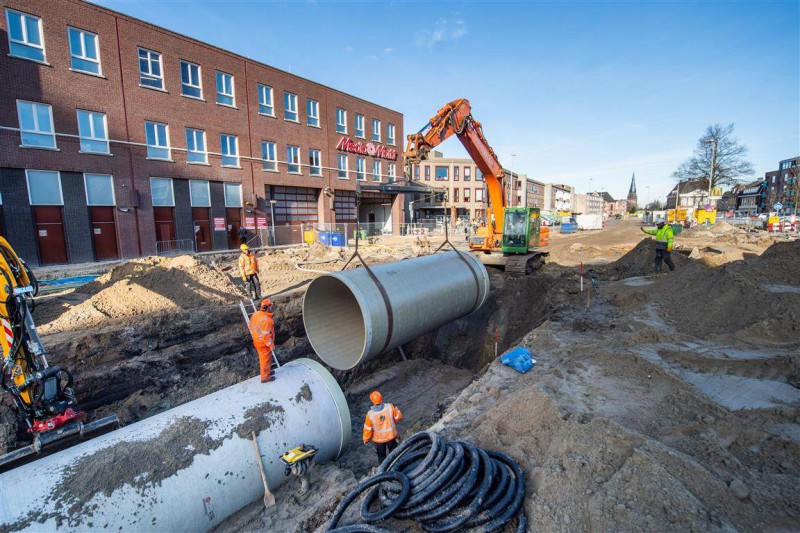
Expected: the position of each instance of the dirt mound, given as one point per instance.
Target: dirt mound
(145, 286)
(639, 262)
(720, 228)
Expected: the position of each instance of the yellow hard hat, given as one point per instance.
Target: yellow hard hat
(244, 247)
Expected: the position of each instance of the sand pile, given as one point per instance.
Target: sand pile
(146, 286)
(720, 228)
(639, 262)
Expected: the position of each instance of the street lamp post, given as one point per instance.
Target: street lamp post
(511, 171)
(272, 216)
(715, 142)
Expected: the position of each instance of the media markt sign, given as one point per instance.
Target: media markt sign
(347, 144)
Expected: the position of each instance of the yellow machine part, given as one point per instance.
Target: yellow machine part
(11, 265)
(296, 454)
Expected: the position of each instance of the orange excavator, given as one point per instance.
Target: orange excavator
(512, 236)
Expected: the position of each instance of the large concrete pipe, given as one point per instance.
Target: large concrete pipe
(353, 315)
(185, 469)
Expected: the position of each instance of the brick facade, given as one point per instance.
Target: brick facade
(127, 105)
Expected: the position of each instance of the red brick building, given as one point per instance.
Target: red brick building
(116, 135)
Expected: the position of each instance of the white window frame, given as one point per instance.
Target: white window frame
(198, 86)
(314, 170)
(263, 91)
(25, 42)
(376, 176)
(83, 55)
(290, 109)
(346, 168)
(392, 170)
(223, 146)
(37, 131)
(312, 113)
(191, 196)
(273, 163)
(93, 137)
(361, 129)
(467, 194)
(171, 188)
(168, 147)
(341, 127)
(376, 134)
(478, 192)
(232, 94)
(204, 152)
(390, 134)
(225, 193)
(361, 168)
(86, 189)
(293, 159)
(149, 74)
(28, 183)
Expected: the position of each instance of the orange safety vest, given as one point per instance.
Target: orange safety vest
(262, 328)
(248, 264)
(380, 425)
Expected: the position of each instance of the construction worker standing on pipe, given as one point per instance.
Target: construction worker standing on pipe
(248, 267)
(380, 425)
(262, 328)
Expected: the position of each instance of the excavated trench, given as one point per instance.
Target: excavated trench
(138, 368)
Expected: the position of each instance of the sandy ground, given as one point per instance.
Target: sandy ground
(660, 402)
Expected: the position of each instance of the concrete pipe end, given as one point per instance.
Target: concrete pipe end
(335, 322)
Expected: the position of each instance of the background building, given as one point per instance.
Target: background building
(119, 138)
(613, 207)
(633, 199)
(782, 185)
(459, 179)
(557, 197)
(534, 193)
(589, 204)
(693, 195)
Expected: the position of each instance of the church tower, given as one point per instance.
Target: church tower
(632, 200)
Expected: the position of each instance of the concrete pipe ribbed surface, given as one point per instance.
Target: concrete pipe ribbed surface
(185, 469)
(348, 319)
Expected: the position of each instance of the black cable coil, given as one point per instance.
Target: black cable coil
(444, 486)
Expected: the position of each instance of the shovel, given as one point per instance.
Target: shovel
(269, 498)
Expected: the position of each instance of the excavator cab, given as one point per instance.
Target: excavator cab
(520, 230)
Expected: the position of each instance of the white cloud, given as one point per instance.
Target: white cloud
(348, 48)
(444, 30)
(388, 50)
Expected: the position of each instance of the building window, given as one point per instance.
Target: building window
(269, 159)
(390, 134)
(376, 130)
(162, 193)
(442, 173)
(315, 162)
(199, 193)
(44, 187)
(25, 35)
(84, 51)
(456, 171)
(150, 73)
(376, 171)
(290, 107)
(416, 172)
(341, 120)
(427, 173)
(361, 169)
(478, 175)
(466, 195)
(293, 159)
(36, 125)
(342, 165)
(312, 107)
(478, 195)
(233, 195)
(359, 125)
(225, 94)
(93, 132)
(157, 140)
(196, 146)
(230, 150)
(191, 80)
(467, 173)
(99, 189)
(455, 194)
(265, 105)
(392, 170)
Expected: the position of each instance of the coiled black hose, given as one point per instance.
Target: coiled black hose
(444, 486)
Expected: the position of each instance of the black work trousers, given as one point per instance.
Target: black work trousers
(385, 448)
(255, 286)
(664, 255)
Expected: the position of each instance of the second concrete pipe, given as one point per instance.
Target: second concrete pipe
(353, 315)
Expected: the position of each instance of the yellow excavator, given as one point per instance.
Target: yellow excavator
(43, 395)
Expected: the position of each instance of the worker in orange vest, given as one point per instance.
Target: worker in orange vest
(380, 425)
(262, 328)
(248, 267)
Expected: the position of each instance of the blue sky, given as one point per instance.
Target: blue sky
(584, 93)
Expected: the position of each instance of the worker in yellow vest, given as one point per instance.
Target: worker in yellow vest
(380, 425)
(248, 268)
(664, 241)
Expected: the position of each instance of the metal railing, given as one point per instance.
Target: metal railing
(175, 247)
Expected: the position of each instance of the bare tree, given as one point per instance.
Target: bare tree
(655, 205)
(729, 163)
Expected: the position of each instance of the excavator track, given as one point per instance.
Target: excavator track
(523, 265)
